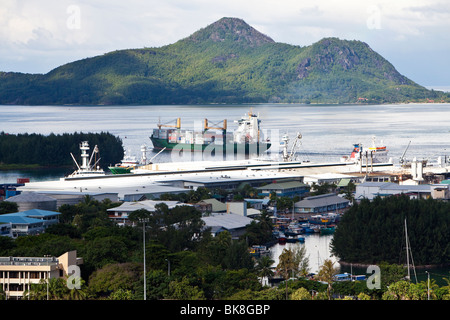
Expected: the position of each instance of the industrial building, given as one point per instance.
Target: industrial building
(370, 190)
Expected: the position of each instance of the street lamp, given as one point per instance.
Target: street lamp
(145, 279)
(48, 273)
(428, 285)
(168, 267)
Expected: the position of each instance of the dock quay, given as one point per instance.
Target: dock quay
(150, 181)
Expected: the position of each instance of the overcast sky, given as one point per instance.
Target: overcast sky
(37, 36)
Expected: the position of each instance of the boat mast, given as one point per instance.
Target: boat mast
(407, 250)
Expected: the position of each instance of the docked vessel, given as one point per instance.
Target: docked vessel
(130, 164)
(368, 155)
(127, 164)
(89, 165)
(247, 138)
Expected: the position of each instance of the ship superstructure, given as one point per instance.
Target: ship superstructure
(368, 155)
(89, 165)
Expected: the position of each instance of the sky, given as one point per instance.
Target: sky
(38, 36)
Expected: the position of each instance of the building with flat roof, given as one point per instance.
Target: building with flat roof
(370, 190)
(17, 274)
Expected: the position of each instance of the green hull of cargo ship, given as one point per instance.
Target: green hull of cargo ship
(248, 148)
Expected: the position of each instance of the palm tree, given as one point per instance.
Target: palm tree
(264, 267)
(56, 289)
(78, 293)
(326, 273)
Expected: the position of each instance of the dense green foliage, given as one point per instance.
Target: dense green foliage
(54, 150)
(226, 62)
(177, 267)
(373, 231)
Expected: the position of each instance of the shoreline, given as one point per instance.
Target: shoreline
(15, 166)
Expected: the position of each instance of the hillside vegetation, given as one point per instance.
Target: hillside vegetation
(225, 62)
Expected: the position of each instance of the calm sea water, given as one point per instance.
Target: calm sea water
(328, 132)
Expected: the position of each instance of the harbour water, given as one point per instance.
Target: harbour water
(329, 131)
(317, 249)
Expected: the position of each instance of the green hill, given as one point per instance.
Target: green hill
(225, 62)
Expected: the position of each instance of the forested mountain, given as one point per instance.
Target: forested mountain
(225, 62)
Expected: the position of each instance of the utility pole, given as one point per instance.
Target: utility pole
(145, 280)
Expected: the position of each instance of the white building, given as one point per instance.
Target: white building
(121, 213)
(370, 190)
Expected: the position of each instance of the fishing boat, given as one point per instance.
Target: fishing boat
(127, 164)
(295, 239)
(89, 165)
(326, 230)
(246, 139)
(258, 251)
(282, 238)
(323, 219)
(130, 164)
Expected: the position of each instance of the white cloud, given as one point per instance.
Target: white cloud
(37, 36)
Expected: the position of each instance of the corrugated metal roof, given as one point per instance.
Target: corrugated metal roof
(283, 185)
(320, 201)
(146, 204)
(30, 197)
(227, 221)
(216, 204)
(18, 219)
(35, 213)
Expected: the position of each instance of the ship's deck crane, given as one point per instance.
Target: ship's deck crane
(177, 125)
(215, 126)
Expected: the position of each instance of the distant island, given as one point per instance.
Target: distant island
(226, 62)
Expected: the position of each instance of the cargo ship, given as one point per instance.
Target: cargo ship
(247, 138)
